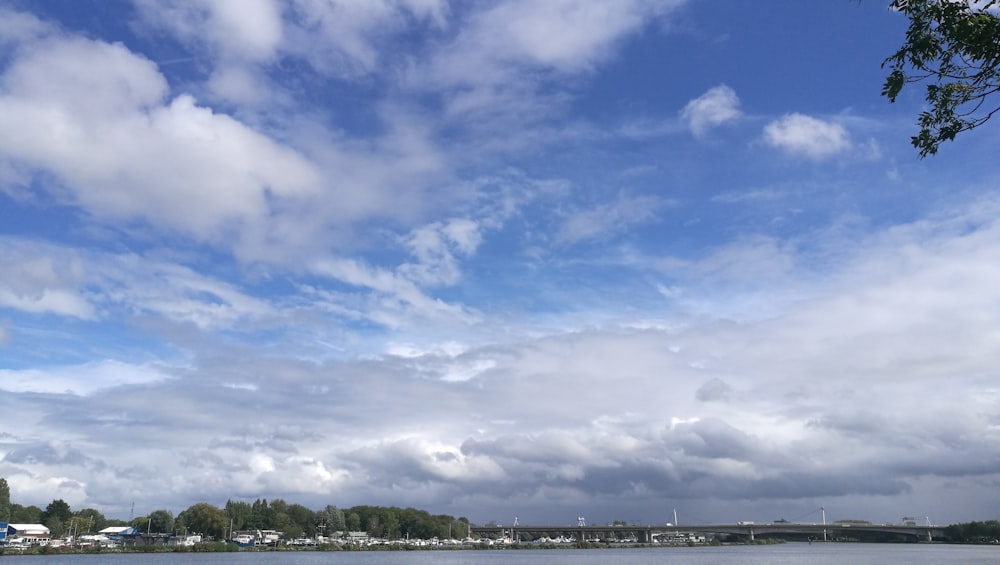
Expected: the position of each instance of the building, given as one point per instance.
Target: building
(27, 534)
(112, 531)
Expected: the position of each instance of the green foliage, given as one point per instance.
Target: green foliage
(331, 519)
(25, 514)
(303, 518)
(399, 523)
(205, 519)
(974, 532)
(955, 47)
(57, 509)
(56, 517)
(85, 521)
(239, 513)
(89, 520)
(353, 522)
(161, 522)
(4, 500)
(294, 520)
(261, 515)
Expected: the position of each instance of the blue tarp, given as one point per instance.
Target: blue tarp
(3, 530)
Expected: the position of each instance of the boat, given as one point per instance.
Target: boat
(244, 540)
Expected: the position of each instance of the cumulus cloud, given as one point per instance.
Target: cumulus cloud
(717, 106)
(653, 414)
(17, 27)
(806, 136)
(250, 29)
(98, 119)
(240, 36)
(94, 115)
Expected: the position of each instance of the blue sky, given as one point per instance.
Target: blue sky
(547, 259)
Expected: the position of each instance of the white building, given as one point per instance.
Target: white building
(30, 534)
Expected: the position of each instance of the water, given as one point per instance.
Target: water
(784, 554)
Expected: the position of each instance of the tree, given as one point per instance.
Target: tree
(239, 513)
(353, 522)
(955, 47)
(304, 518)
(333, 520)
(25, 514)
(161, 521)
(203, 518)
(89, 520)
(4, 500)
(56, 516)
(139, 523)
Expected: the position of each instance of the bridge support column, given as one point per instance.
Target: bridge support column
(752, 539)
(644, 536)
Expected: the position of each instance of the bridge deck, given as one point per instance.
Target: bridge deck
(744, 529)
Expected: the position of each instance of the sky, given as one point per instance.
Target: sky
(546, 259)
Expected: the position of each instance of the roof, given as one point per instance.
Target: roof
(119, 530)
(28, 528)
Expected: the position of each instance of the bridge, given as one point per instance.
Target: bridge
(746, 530)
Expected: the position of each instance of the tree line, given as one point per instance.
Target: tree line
(294, 520)
(974, 532)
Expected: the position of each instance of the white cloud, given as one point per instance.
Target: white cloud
(566, 35)
(43, 284)
(17, 27)
(434, 247)
(45, 278)
(79, 380)
(493, 68)
(903, 313)
(605, 220)
(342, 37)
(93, 114)
(806, 136)
(717, 106)
(397, 301)
(238, 29)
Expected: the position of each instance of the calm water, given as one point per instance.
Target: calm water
(785, 554)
